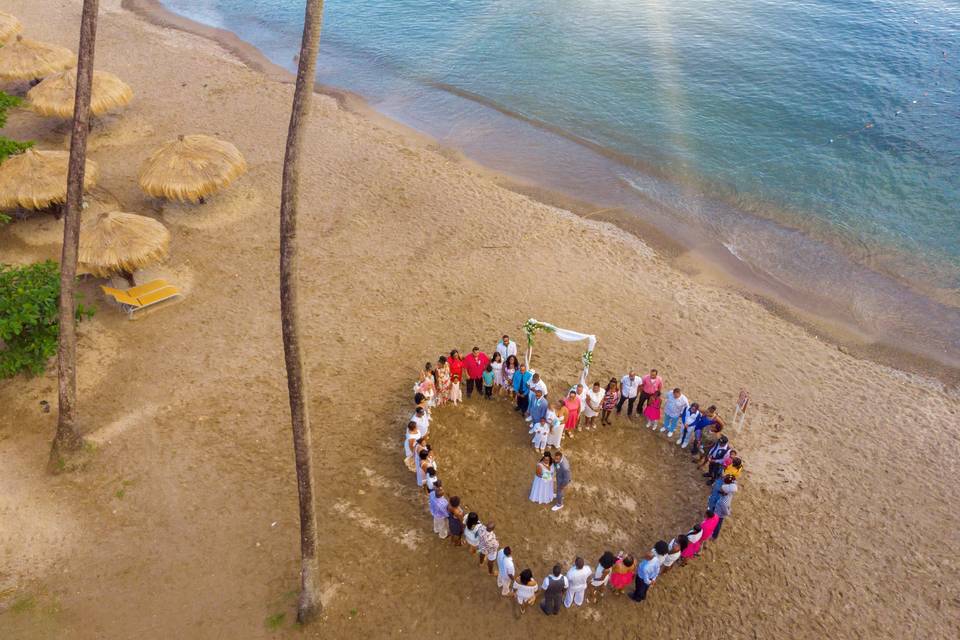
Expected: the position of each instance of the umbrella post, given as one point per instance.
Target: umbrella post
(128, 276)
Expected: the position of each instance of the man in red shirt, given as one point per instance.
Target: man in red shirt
(649, 385)
(475, 363)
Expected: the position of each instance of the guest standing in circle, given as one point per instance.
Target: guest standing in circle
(652, 411)
(506, 348)
(439, 506)
(556, 417)
(488, 547)
(455, 521)
(488, 377)
(474, 365)
(725, 503)
(506, 573)
(621, 574)
(455, 362)
(525, 588)
(427, 385)
(581, 392)
(649, 385)
(562, 473)
(553, 587)
(496, 364)
(572, 403)
(456, 393)
(422, 418)
(647, 573)
(538, 407)
(611, 396)
(472, 530)
(672, 557)
(592, 403)
(674, 406)
(601, 576)
(510, 368)
(577, 579)
(409, 444)
(687, 421)
(542, 490)
(443, 381)
(521, 388)
(629, 389)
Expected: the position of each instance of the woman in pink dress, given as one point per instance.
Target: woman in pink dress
(572, 403)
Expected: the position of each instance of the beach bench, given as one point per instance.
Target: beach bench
(142, 296)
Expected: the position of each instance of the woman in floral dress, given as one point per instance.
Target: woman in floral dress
(443, 381)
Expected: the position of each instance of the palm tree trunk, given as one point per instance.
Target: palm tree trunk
(68, 438)
(309, 604)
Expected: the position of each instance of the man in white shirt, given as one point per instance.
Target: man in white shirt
(553, 587)
(505, 570)
(673, 408)
(422, 418)
(629, 389)
(506, 348)
(577, 578)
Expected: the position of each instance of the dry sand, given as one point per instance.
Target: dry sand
(185, 522)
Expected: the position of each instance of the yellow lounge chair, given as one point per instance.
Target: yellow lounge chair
(142, 296)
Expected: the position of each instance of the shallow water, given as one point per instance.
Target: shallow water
(817, 141)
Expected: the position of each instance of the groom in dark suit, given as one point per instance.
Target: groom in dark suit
(563, 477)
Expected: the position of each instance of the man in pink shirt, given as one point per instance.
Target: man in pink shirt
(649, 385)
(475, 363)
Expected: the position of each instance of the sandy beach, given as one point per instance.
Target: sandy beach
(184, 523)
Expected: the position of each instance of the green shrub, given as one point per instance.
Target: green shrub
(29, 326)
(9, 147)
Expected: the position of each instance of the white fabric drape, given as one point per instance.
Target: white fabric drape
(567, 335)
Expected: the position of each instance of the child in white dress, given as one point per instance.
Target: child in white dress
(456, 394)
(542, 491)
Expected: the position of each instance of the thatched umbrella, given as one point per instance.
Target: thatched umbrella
(191, 168)
(38, 179)
(9, 26)
(55, 95)
(24, 59)
(120, 243)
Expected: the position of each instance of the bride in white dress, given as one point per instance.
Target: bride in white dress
(542, 490)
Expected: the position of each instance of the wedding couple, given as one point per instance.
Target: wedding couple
(551, 479)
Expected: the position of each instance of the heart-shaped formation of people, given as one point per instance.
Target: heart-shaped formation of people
(556, 477)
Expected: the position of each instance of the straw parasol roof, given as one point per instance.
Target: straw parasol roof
(24, 59)
(57, 93)
(37, 179)
(191, 168)
(117, 242)
(9, 26)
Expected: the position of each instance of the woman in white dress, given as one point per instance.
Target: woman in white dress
(542, 491)
(555, 420)
(496, 362)
(525, 588)
(593, 399)
(472, 530)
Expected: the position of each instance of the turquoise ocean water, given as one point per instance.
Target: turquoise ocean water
(816, 142)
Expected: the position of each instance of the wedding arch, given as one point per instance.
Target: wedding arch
(532, 326)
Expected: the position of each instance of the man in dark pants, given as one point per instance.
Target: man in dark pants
(563, 476)
(521, 385)
(475, 363)
(648, 571)
(553, 587)
(629, 388)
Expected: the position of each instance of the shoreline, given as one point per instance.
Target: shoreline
(704, 263)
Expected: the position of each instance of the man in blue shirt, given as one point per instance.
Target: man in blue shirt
(648, 570)
(538, 407)
(521, 386)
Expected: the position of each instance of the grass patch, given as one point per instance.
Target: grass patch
(24, 604)
(275, 621)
